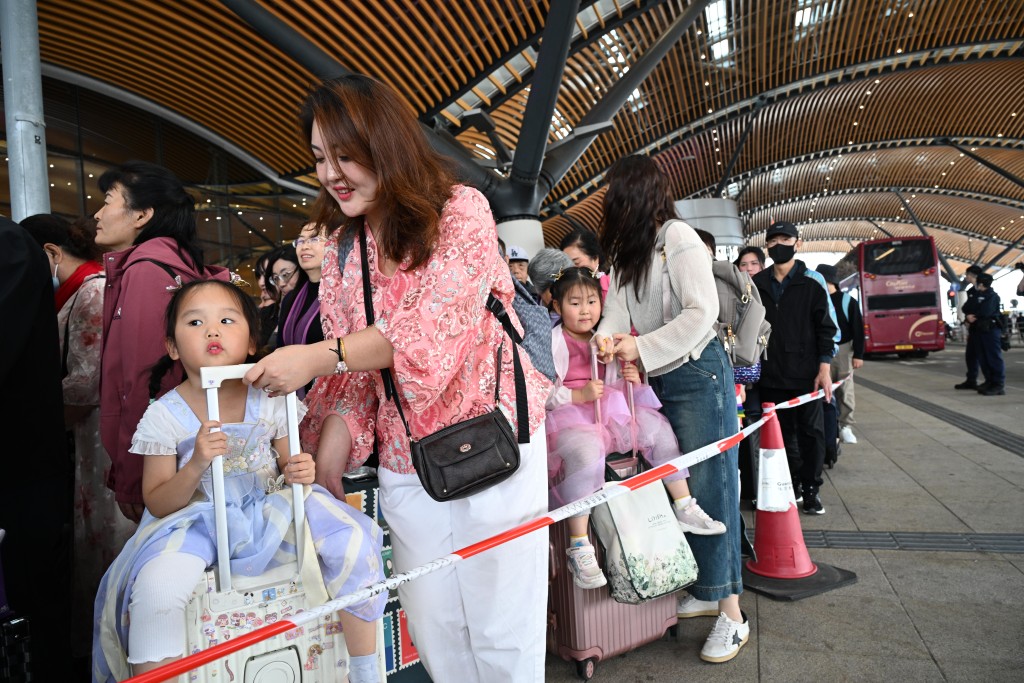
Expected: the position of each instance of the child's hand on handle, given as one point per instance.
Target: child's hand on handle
(593, 390)
(625, 346)
(630, 372)
(209, 444)
(301, 469)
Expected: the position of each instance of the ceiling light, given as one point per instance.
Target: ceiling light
(899, 50)
(707, 82)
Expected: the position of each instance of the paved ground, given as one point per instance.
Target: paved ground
(912, 615)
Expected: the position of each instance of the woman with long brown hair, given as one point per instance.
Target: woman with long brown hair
(432, 262)
(647, 248)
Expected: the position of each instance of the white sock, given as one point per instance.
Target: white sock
(363, 669)
(682, 503)
(577, 541)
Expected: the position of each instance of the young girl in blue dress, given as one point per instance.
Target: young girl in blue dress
(140, 607)
(578, 445)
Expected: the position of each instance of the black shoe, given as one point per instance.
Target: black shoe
(984, 386)
(993, 390)
(812, 504)
(966, 385)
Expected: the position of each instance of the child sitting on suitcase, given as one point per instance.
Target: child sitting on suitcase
(140, 607)
(578, 445)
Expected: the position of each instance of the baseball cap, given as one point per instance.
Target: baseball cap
(830, 273)
(782, 228)
(517, 254)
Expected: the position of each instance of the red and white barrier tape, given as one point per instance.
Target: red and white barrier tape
(604, 495)
(807, 398)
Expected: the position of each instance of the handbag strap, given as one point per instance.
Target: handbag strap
(494, 306)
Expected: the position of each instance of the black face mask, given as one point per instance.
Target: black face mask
(782, 253)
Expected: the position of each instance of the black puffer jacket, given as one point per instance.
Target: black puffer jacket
(802, 329)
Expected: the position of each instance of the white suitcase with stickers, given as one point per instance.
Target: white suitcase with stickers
(223, 607)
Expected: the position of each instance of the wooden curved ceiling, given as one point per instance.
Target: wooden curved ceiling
(816, 111)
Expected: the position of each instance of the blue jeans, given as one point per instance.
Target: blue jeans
(699, 399)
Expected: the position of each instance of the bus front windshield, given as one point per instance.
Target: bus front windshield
(899, 257)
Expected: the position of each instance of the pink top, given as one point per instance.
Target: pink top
(578, 373)
(445, 341)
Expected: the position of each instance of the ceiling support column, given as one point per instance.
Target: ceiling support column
(23, 104)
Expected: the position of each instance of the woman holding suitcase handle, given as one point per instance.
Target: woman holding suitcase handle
(432, 263)
(687, 366)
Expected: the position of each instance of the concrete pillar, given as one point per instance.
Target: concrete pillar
(522, 232)
(23, 105)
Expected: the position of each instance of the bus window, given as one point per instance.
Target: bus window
(898, 257)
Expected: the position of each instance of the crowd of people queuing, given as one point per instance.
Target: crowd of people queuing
(137, 311)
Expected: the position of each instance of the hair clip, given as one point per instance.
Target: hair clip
(176, 286)
(237, 280)
(593, 274)
(557, 276)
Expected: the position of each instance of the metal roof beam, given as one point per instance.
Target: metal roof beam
(945, 264)
(724, 183)
(559, 161)
(983, 161)
(520, 194)
(325, 66)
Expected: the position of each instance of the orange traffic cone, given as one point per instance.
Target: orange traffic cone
(782, 568)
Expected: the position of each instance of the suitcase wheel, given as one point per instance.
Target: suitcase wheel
(585, 669)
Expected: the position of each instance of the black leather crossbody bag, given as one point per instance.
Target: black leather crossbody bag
(473, 455)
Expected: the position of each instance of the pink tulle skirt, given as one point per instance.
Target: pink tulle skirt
(577, 446)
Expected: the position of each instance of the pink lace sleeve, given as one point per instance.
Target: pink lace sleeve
(433, 315)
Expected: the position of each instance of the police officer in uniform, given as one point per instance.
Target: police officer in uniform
(971, 354)
(985, 319)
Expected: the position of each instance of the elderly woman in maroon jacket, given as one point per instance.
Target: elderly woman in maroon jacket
(147, 222)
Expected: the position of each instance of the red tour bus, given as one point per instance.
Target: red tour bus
(900, 295)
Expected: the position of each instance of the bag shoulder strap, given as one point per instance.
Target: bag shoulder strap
(167, 269)
(494, 306)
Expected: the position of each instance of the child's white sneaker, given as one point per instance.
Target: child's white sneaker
(586, 572)
(726, 639)
(696, 521)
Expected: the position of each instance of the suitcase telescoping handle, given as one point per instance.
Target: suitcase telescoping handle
(211, 379)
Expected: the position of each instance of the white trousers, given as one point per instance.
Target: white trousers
(484, 618)
(157, 608)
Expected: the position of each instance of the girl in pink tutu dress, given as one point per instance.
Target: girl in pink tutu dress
(577, 445)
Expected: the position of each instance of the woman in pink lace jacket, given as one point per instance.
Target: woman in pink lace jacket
(433, 259)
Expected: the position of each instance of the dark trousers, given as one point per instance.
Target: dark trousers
(803, 434)
(990, 355)
(971, 356)
(750, 447)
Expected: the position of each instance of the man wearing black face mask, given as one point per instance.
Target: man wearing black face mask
(799, 356)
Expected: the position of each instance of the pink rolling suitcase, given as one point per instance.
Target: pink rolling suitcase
(224, 607)
(587, 626)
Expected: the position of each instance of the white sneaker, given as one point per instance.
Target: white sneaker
(689, 607)
(726, 639)
(846, 435)
(693, 519)
(586, 572)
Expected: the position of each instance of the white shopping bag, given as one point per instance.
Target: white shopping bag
(775, 488)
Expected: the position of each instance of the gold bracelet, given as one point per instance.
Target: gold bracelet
(342, 366)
